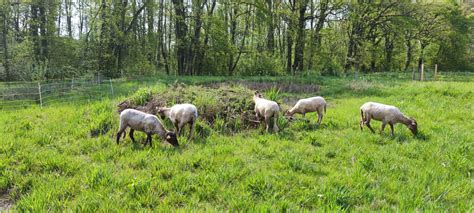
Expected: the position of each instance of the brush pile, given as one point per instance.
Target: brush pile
(227, 109)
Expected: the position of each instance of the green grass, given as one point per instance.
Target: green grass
(64, 157)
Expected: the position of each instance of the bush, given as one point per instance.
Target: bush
(260, 64)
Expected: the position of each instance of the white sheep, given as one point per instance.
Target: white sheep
(267, 109)
(303, 106)
(386, 114)
(144, 122)
(180, 115)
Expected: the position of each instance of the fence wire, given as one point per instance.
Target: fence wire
(18, 95)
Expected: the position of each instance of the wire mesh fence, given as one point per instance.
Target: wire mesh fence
(17, 95)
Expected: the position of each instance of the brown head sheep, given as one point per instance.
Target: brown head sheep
(386, 114)
(144, 122)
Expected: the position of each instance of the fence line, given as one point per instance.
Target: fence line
(19, 95)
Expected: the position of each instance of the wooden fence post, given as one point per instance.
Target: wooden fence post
(39, 92)
(422, 75)
(111, 87)
(436, 72)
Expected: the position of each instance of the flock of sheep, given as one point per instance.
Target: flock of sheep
(182, 114)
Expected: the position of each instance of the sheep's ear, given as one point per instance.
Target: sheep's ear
(168, 137)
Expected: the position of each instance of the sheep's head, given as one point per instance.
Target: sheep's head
(171, 138)
(161, 112)
(413, 126)
(289, 115)
(258, 94)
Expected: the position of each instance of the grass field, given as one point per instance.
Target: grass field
(49, 160)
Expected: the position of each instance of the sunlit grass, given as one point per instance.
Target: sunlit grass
(64, 157)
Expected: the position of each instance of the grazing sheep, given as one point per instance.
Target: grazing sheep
(267, 109)
(180, 115)
(303, 106)
(144, 122)
(386, 114)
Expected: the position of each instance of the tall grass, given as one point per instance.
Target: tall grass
(64, 157)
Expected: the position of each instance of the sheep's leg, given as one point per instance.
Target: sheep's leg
(367, 123)
(191, 129)
(275, 127)
(320, 117)
(148, 138)
(391, 128)
(180, 127)
(118, 136)
(176, 126)
(267, 123)
(119, 133)
(131, 135)
(383, 127)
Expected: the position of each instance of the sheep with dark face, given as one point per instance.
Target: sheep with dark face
(387, 114)
(266, 109)
(144, 122)
(303, 106)
(180, 115)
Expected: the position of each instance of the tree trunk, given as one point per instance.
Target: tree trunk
(59, 19)
(6, 62)
(233, 31)
(161, 34)
(408, 54)
(152, 44)
(69, 17)
(195, 46)
(421, 61)
(388, 53)
(373, 53)
(81, 17)
(43, 32)
(299, 47)
(271, 28)
(289, 54)
(103, 32)
(201, 56)
(180, 30)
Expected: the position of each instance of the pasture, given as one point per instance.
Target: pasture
(64, 156)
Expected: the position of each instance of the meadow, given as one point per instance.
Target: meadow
(64, 156)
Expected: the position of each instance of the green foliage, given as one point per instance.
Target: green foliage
(126, 39)
(273, 94)
(141, 96)
(261, 64)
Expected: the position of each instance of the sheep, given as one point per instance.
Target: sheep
(180, 115)
(144, 122)
(267, 109)
(386, 114)
(303, 106)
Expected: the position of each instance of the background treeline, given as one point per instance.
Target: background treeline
(43, 39)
